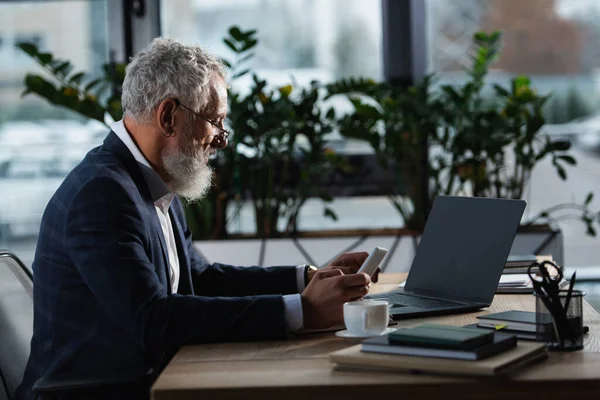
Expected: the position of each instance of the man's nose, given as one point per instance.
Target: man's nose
(220, 142)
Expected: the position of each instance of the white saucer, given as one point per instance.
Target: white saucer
(348, 335)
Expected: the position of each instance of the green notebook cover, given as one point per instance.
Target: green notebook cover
(441, 336)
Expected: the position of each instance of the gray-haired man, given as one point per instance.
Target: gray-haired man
(118, 285)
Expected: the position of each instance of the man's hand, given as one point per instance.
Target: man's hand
(348, 263)
(324, 297)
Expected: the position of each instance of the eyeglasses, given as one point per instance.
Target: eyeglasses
(224, 132)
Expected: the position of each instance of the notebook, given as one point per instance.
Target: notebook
(520, 260)
(513, 320)
(519, 334)
(523, 335)
(515, 283)
(441, 336)
(501, 342)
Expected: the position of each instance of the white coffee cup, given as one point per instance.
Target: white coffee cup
(366, 317)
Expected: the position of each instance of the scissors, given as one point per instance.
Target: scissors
(547, 286)
(548, 283)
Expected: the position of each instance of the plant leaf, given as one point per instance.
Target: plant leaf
(226, 63)
(591, 231)
(115, 109)
(37, 84)
(63, 67)
(245, 57)
(90, 85)
(76, 79)
(120, 70)
(568, 159)
(561, 172)
(44, 58)
(67, 97)
(329, 213)
(286, 90)
(249, 44)
(241, 73)
(560, 145)
(589, 198)
(230, 44)
(501, 91)
(236, 33)
(29, 48)
(521, 80)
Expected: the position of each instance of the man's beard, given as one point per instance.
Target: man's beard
(191, 176)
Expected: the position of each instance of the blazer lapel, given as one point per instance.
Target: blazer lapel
(113, 144)
(161, 238)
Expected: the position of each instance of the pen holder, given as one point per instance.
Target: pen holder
(564, 330)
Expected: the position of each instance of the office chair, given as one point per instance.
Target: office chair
(16, 330)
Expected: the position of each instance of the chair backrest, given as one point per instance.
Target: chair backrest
(16, 320)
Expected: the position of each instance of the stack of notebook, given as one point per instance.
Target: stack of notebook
(441, 341)
(515, 278)
(515, 284)
(519, 263)
(441, 349)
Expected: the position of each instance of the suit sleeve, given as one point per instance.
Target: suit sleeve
(226, 280)
(106, 242)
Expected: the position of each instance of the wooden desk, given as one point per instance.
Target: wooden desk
(299, 368)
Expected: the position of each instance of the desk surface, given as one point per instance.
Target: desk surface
(299, 367)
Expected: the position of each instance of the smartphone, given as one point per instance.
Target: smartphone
(372, 262)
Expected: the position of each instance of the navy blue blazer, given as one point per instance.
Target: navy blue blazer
(102, 298)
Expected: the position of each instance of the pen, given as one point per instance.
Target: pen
(570, 292)
(568, 300)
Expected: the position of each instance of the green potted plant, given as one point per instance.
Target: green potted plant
(394, 121)
(492, 145)
(279, 134)
(479, 146)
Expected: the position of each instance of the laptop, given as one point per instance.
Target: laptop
(460, 258)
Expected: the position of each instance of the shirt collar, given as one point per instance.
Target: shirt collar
(159, 191)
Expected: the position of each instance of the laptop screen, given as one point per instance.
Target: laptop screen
(464, 247)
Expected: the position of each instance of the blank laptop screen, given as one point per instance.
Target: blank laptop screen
(464, 247)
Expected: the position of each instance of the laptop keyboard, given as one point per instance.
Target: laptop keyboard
(413, 301)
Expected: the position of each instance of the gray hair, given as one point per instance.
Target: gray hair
(167, 68)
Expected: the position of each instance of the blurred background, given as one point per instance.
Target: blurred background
(555, 42)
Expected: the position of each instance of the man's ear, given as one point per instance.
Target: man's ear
(166, 116)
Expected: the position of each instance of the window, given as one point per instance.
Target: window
(299, 41)
(306, 39)
(555, 43)
(39, 142)
(12, 57)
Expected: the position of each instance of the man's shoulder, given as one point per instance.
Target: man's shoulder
(99, 169)
(99, 162)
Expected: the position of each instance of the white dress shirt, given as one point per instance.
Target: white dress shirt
(162, 198)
